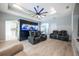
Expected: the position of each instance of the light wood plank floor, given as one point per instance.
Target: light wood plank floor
(50, 47)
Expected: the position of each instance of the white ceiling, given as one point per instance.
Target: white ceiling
(59, 7)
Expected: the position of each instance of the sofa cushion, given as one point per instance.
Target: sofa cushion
(10, 48)
(21, 53)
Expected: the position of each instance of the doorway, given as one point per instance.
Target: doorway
(11, 29)
(45, 28)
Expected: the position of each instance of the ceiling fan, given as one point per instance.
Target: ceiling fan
(39, 12)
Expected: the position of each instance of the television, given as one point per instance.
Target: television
(34, 28)
(28, 27)
(25, 27)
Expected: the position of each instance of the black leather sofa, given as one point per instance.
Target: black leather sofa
(60, 35)
(36, 37)
(63, 35)
(54, 35)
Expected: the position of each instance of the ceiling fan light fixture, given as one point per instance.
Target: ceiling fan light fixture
(38, 16)
(42, 16)
(40, 12)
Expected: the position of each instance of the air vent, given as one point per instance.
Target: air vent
(67, 7)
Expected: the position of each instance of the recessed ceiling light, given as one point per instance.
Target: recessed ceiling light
(16, 6)
(52, 11)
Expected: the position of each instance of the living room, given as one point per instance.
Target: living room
(38, 28)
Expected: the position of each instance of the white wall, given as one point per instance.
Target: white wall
(3, 18)
(60, 23)
(75, 21)
(63, 23)
(75, 43)
(8, 17)
(2, 28)
(75, 26)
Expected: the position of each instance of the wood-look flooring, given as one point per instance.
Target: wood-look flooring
(50, 47)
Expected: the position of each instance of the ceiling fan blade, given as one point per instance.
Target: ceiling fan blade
(41, 10)
(36, 10)
(44, 13)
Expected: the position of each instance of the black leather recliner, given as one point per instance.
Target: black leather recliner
(54, 35)
(63, 35)
(33, 38)
(36, 36)
(42, 36)
(60, 35)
